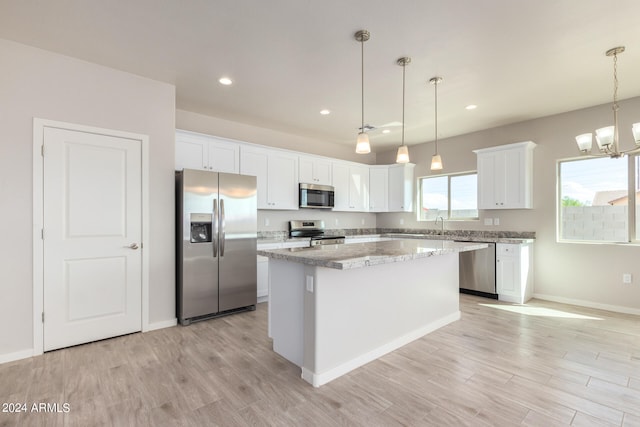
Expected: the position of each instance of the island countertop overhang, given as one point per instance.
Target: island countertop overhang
(359, 255)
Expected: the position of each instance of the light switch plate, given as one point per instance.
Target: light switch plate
(496, 221)
(309, 283)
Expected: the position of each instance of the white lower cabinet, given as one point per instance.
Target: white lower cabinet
(263, 278)
(263, 265)
(514, 272)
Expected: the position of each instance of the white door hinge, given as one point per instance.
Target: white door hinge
(43, 317)
(42, 233)
(42, 150)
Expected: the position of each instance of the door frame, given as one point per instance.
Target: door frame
(39, 126)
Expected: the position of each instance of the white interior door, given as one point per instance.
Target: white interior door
(92, 236)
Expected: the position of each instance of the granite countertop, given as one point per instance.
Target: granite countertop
(358, 255)
(462, 238)
(514, 237)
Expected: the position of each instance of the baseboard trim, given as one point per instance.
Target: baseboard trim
(18, 355)
(161, 325)
(588, 304)
(322, 378)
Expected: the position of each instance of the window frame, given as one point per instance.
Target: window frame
(633, 171)
(449, 176)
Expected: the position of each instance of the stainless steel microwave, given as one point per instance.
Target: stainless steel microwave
(316, 196)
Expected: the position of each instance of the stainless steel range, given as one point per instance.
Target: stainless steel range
(315, 230)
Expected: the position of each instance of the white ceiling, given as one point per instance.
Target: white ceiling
(515, 59)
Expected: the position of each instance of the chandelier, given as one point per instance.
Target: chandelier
(607, 137)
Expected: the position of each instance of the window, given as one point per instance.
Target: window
(594, 199)
(453, 197)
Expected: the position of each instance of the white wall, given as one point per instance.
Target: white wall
(37, 83)
(589, 274)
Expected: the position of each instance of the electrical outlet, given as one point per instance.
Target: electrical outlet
(362, 221)
(626, 278)
(401, 221)
(488, 221)
(337, 221)
(496, 221)
(266, 222)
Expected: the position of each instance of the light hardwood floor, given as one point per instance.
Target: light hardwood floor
(555, 365)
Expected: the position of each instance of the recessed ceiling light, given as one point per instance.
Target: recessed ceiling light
(386, 131)
(471, 107)
(225, 81)
(325, 112)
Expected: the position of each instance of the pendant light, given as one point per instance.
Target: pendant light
(362, 143)
(436, 160)
(403, 150)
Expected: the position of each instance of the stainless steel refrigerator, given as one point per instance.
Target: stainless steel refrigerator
(216, 227)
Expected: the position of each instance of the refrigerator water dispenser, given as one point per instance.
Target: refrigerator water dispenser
(200, 228)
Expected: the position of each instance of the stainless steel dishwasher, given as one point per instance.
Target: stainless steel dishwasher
(478, 272)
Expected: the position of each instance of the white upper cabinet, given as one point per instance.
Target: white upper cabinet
(204, 152)
(505, 176)
(401, 187)
(277, 176)
(314, 170)
(378, 188)
(351, 182)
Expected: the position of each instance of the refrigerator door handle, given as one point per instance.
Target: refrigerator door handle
(215, 228)
(222, 227)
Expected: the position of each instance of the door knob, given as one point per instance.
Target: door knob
(133, 246)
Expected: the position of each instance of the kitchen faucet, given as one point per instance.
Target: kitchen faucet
(442, 224)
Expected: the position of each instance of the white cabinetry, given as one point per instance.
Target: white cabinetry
(314, 170)
(514, 272)
(263, 278)
(379, 188)
(263, 264)
(401, 187)
(277, 176)
(351, 182)
(197, 151)
(505, 176)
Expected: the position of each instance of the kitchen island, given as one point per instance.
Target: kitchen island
(334, 308)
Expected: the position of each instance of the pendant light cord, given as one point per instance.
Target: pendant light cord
(362, 79)
(404, 66)
(435, 84)
(615, 102)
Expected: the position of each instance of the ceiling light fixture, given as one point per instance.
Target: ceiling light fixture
(225, 81)
(607, 137)
(403, 150)
(325, 112)
(362, 143)
(436, 160)
(471, 107)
